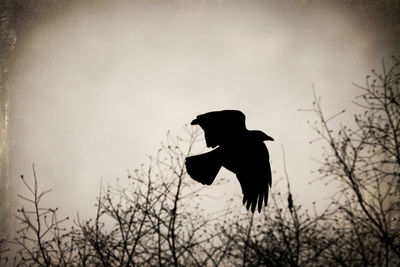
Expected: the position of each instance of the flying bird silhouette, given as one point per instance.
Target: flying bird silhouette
(239, 150)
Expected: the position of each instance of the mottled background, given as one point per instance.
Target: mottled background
(89, 88)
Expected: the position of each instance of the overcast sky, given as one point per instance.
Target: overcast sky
(96, 89)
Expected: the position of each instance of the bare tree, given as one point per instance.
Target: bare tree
(154, 219)
(365, 161)
(148, 213)
(41, 239)
(361, 225)
(285, 234)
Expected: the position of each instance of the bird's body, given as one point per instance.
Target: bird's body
(239, 150)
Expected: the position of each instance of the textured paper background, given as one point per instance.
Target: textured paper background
(28, 26)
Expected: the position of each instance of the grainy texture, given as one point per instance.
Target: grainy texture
(17, 16)
(7, 41)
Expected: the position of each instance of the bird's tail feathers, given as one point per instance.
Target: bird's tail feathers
(203, 168)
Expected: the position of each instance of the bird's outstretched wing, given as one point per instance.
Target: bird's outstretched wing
(204, 168)
(254, 175)
(221, 126)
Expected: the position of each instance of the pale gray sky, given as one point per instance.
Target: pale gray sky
(96, 89)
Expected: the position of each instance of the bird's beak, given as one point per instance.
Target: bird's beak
(194, 122)
(269, 138)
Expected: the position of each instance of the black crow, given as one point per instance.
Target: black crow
(237, 149)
